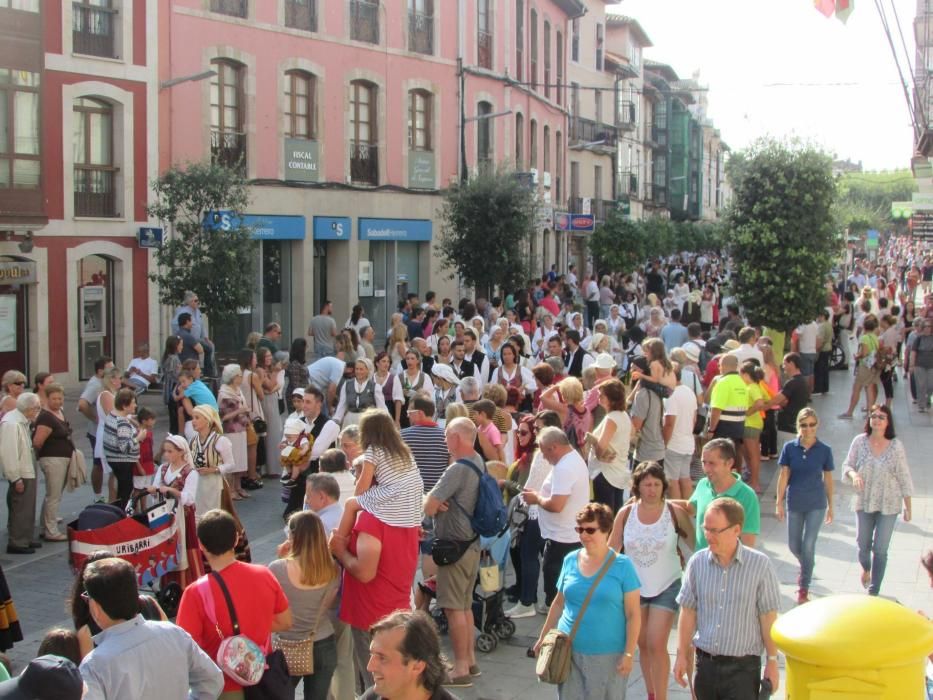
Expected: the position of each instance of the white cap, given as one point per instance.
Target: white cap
(604, 361)
(445, 372)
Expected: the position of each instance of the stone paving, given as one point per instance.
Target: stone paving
(40, 582)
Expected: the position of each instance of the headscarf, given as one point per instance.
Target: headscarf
(180, 443)
(209, 413)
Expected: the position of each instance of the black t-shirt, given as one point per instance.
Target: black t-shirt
(797, 393)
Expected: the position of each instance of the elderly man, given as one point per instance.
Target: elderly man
(271, 336)
(121, 663)
(728, 601)
(564, 492)
(142, 370)
(322, 495)
(192, 306)
(16, 458)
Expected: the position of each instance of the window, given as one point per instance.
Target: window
(533, 66)
(94, 172)
(364, 161)
(575, 39)
(574, 180)
(421, 26)
(301, 14)
(533, 144)
(419, 120)
(228, 140)
(92, 27)
(547, 59)
(484, 137)
(598, 99)
(22, 5)
(558, 165)
(300, 105)
(484, 33)
(234, 8)
(519, 142)
(597, 182)
(19, 129)
(519, 38)
(599, 47)
(364, 21)
(546, 155)
(560, 68)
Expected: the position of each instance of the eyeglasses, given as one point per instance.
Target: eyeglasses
(878, 416)
(587, 530)
(19, 383)
(807, 425)
(715, 531)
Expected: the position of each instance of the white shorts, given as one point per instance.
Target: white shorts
(677, 466)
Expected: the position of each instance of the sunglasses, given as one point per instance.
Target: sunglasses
(19, 383)
(524, 432)
(587, 530)
(807, 425)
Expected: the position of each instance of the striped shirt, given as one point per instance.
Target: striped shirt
(729, 600)
(120, 444)
(396, 496)
(429, 448)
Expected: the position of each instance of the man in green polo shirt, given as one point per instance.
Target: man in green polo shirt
(718, 461)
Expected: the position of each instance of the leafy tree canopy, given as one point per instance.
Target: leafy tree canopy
(215, 262)
(486, 226)
(781, 233)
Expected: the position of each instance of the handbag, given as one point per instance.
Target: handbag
(299, 653)
(447, 552)
(260, 427)
(553, 663)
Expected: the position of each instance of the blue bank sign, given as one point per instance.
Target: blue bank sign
(395, 229)
(332, 228)
(265, 227)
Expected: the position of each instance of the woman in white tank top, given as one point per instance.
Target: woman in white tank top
(650, 530)
(112, 381)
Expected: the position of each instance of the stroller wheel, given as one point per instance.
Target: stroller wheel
(486, 643)
(504, 629)
(169, 598)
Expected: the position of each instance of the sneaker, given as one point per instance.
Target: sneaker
(541, 608)
(520, 611)
(287, 481)
(99, 499)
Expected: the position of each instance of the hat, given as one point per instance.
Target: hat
(298, 392)
(445, 372)
(604, 361)
(294, 426)
(596, 339)
(731, 345)
(691, 351)
(47, 676)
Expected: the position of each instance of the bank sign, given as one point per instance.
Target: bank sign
(574, 222)
(265, 227)
(394, 229)
(301, 160)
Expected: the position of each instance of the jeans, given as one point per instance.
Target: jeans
(803, 527)
(727, 678)
(554, 553)
(873, 533)
(317, 684)
(530, 547)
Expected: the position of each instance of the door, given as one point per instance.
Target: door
(13, 350)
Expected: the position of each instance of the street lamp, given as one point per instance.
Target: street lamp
(172, 82)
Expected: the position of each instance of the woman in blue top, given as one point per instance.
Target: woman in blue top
(604, 645)
(807, 480)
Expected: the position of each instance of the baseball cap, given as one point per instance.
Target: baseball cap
(46, 677)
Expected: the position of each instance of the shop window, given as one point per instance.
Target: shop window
(364, 155)
(19, 130)
(228, 137)
(300, 104)
(301, 14)
(420, 103)
(95, 173)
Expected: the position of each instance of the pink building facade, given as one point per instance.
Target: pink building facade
(347, 119)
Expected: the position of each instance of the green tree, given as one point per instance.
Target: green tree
(487, 222)
(618, 244)
(215, 262)
(781, 233)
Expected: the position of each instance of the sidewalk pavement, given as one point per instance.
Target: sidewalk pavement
(40, 582)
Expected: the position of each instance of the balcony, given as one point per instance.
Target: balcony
(301, 14)
(95, 194)
(364, 21)
(364, 163)
(228, 148)
(627, 119)
(598, 208)
(421, 33)
(234, 8)
(92, 30)
(586, 133)
(484, 44)
(628, 183)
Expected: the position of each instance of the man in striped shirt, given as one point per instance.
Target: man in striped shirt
(729, 600)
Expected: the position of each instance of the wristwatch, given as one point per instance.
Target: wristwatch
(773, 658)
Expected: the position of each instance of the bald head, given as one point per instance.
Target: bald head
(728, 363)
(461, 436)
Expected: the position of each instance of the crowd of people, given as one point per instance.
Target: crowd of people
(623, 417)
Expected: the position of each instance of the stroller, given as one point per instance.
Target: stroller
(149, 540)
(488, 606)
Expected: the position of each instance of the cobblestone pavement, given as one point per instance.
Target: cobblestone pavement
(40, 582)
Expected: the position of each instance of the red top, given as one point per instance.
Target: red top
(548, 303)
(363, 604)
(145, 455)
(257, 598)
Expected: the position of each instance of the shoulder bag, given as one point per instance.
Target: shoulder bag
(553, 664)
(299, 653)
(259, 423)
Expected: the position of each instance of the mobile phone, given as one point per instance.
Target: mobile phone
(765, 689)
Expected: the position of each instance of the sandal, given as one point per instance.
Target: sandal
(236, 497)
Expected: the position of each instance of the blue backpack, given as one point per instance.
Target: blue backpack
(490, 516)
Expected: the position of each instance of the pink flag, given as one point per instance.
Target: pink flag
(827, 7)
(844, 9)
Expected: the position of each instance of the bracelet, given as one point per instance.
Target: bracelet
(625, 653)
(773, 658)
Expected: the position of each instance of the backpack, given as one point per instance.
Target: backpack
(490, 516)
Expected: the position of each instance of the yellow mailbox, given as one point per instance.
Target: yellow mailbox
(854, 647)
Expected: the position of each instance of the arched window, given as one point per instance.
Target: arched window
(533, 143)
(94, 169)
(519, 142)
(420, 108)
(300, 105)
(228, 119)
(547, 59)
(533, 40)
(484, 137)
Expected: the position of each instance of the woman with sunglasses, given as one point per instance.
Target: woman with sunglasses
(877, 466)
(11, 386)
(529, 543)
(806, 479)
(603, 649)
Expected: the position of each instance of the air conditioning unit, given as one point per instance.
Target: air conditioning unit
(546, 179)
(534, 175)
(587, 206)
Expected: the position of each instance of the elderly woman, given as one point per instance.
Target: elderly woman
(19, 469)
(234, 415)
(52, 441)
(212, 456)
(121, 440)
(655, 322)
(541, 335)
(11, 386)
(358, 394)
(602, 654)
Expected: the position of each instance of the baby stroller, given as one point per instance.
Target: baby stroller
(488, 605)
(148, 540)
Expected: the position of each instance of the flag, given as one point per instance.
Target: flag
(844, 9)
(827, 7)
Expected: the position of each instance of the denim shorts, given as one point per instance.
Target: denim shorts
(666, 599)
